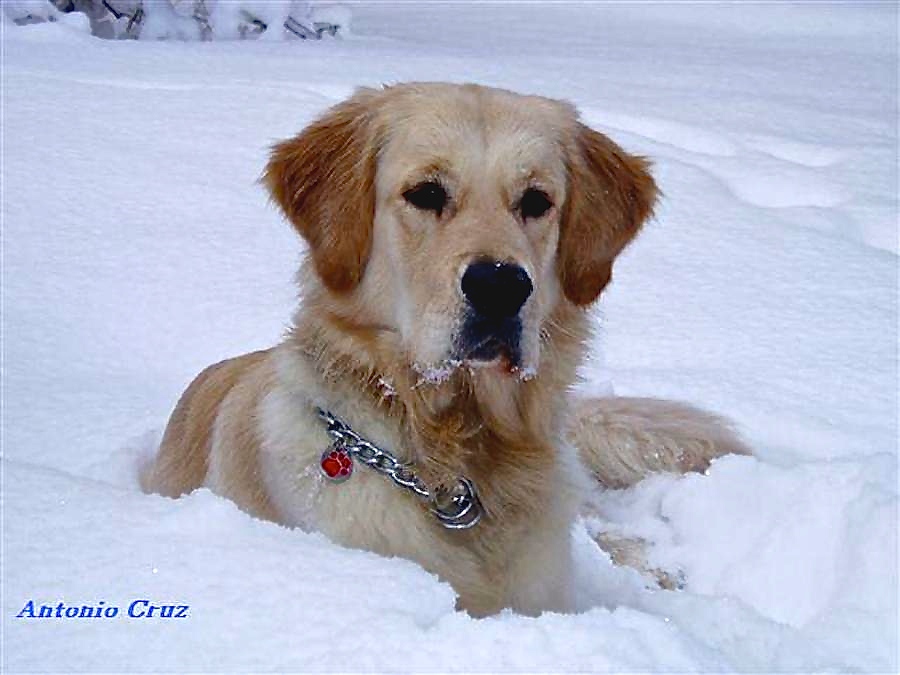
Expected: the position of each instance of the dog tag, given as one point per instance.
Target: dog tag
(336, 464)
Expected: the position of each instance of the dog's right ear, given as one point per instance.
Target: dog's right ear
(323, 179)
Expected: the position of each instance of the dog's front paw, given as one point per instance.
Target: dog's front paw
(623, 440)
(632, 552)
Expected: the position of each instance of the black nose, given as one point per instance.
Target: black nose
(496, 290)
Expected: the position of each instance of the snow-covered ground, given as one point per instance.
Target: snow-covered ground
(138, 248)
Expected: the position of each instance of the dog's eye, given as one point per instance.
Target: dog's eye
(429, 196)
(534, 203)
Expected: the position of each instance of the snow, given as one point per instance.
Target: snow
(138, 248)
(188, 19)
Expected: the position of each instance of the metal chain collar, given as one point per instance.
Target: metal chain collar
(455, 509)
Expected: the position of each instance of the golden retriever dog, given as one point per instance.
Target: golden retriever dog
(455, 236)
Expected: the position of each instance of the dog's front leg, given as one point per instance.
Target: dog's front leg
(622, 440)
(541, 574)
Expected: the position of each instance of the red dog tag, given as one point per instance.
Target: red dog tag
(336, 464)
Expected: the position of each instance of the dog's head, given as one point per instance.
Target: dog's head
(459, 216)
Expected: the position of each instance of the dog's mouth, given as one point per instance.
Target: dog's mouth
(485, 345)
(484, 342)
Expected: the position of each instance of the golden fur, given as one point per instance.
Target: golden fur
(372, 337)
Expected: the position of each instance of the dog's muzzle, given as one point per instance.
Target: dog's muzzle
(495, 292)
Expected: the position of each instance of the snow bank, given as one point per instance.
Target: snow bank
(139, 248)
(187, 19)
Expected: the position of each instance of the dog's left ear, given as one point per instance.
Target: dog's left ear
(323, 179)
(611, 194)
